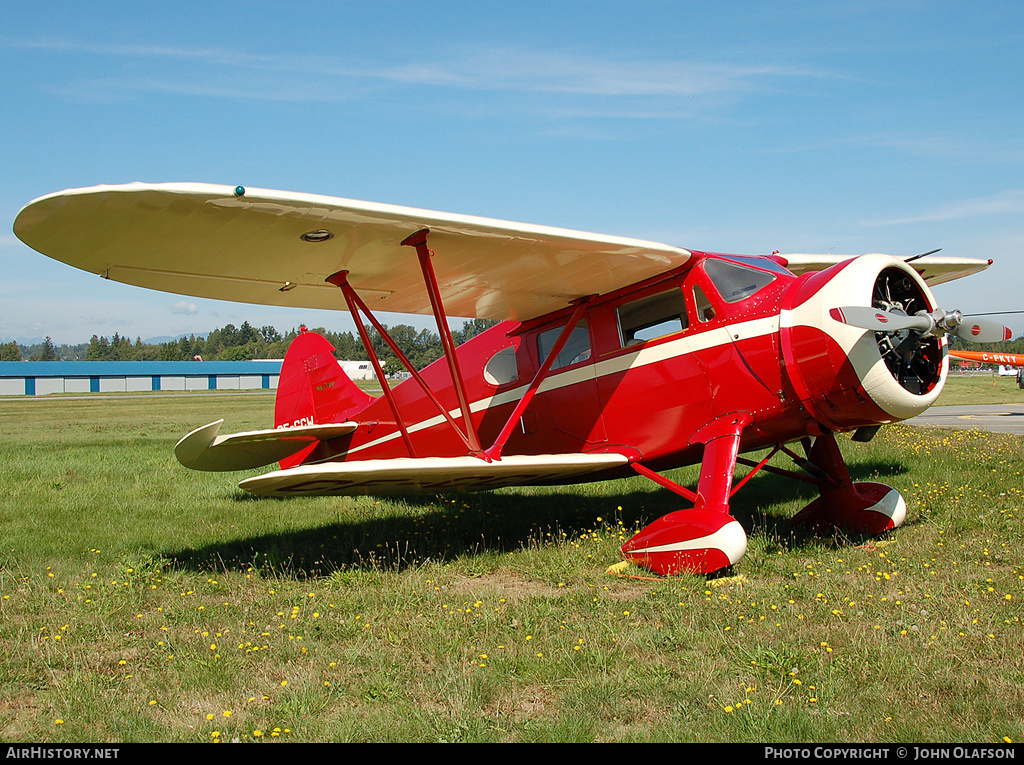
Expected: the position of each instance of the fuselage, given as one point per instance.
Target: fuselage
(648, 365)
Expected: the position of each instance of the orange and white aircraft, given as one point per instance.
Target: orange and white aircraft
(613, 357)
(988, 357)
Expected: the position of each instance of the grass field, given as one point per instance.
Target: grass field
(981, 389)
(140, 601)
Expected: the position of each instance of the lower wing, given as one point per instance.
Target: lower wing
(430, 474)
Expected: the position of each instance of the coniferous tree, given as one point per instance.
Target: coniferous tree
(48, 352)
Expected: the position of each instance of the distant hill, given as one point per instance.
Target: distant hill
(24, 340)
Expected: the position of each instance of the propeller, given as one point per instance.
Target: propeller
(934, 324)
(908, 334)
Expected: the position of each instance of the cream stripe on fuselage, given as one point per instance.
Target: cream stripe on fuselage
(701, 341)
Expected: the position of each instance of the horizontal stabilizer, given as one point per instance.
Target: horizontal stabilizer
(429, 474)
(204, 449)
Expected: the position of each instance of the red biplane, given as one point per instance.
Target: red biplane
(612, 357)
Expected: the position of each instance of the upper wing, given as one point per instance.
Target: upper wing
(246, 245)
(933, 270)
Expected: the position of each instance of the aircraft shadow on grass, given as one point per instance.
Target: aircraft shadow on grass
(445, 527)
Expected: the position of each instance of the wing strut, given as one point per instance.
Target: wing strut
(419, 242)
(494, 452)
(468, 434)
(340, 279)
(356, 305)
(358, 308)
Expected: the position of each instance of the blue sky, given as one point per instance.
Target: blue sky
(734, 127)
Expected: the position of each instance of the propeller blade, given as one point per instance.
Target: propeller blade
(877, 320)
(973, 330)
(982, 331)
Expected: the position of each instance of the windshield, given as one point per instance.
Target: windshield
(735, 282)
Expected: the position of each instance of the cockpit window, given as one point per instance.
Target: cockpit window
(652, 316)
(735, 282)
(502, 368)
(705, 311)
(576, 349)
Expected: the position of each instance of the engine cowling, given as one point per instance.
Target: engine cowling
(846, 376)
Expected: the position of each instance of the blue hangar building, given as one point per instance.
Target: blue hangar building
(40, 378)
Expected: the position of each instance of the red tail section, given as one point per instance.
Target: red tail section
(314, 389)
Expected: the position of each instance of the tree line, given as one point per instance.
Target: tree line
(231, 343)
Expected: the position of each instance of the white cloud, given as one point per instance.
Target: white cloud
(504, 69)
(1010, 201)
(185, 308)
(561, 72)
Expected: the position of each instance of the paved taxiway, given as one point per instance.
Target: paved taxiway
(999, 418)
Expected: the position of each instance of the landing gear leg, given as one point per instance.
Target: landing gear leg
(705, 538)
(862, 507)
